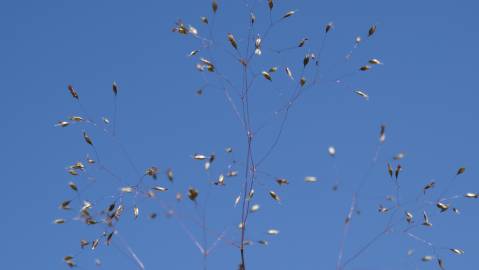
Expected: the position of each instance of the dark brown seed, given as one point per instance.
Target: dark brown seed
(214, 6)
(114, 87)
(87, 138)
(73, 92)
(372, 30)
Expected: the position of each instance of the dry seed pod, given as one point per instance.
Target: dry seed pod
(374, 61)
(237, 200)
(427, 258)
(67, 258)
(95, 243)
(251, 194)
(282, 181)
(357, 40)
(119, 211)
(263, 242)
(73, 92)
(272, 232)
(193, 53)
(78, 166)
(207, 165)
(257, 45)
(310, 179)
(426, 222)
(332, 151)
(69, 261)
(136, 212)
(252, 17)
(192, 30)
(306, 60)
(457, 251)
(270, 4)
(382, 134)
(365, 68)
(180, 28)
(83, 243)
(201, 67)
(199, 157)
(302, 42)
(266, 75)
(86, 205)
(390, 170)
(169, 174)
(288, 71)
(127, 189)
(443, 207)
(59, 221)
(153, 172)
(114, 88)
(221, 180)
(274, 196)
(204, 20)
(62, 124)
(90, 221)
(302, 81)
(214, 6)
(232, 173)
(90, 161)
(65, 205)
(111, 207)
(461, 171)
(87, 138)
(109, 237)
(254, 208)
(288, 14)
(228, 149)
(150, 194)
(212, 158)
(232, 41)
(209, 65)
(429, 186)
(409, 217)
(383, 209)
(76, 118)
(273, 69)
(372, 30)
(362, 94)
(159, 188)
(471, 195)
(440, 262)
(328, 27)
(192, 194)
(399, 156)
(73, 186)
(398, 169)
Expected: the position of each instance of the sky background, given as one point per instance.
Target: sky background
(425, 93)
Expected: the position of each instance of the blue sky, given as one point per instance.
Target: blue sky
(425, 93)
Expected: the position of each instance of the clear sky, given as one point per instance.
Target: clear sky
(425, 93)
